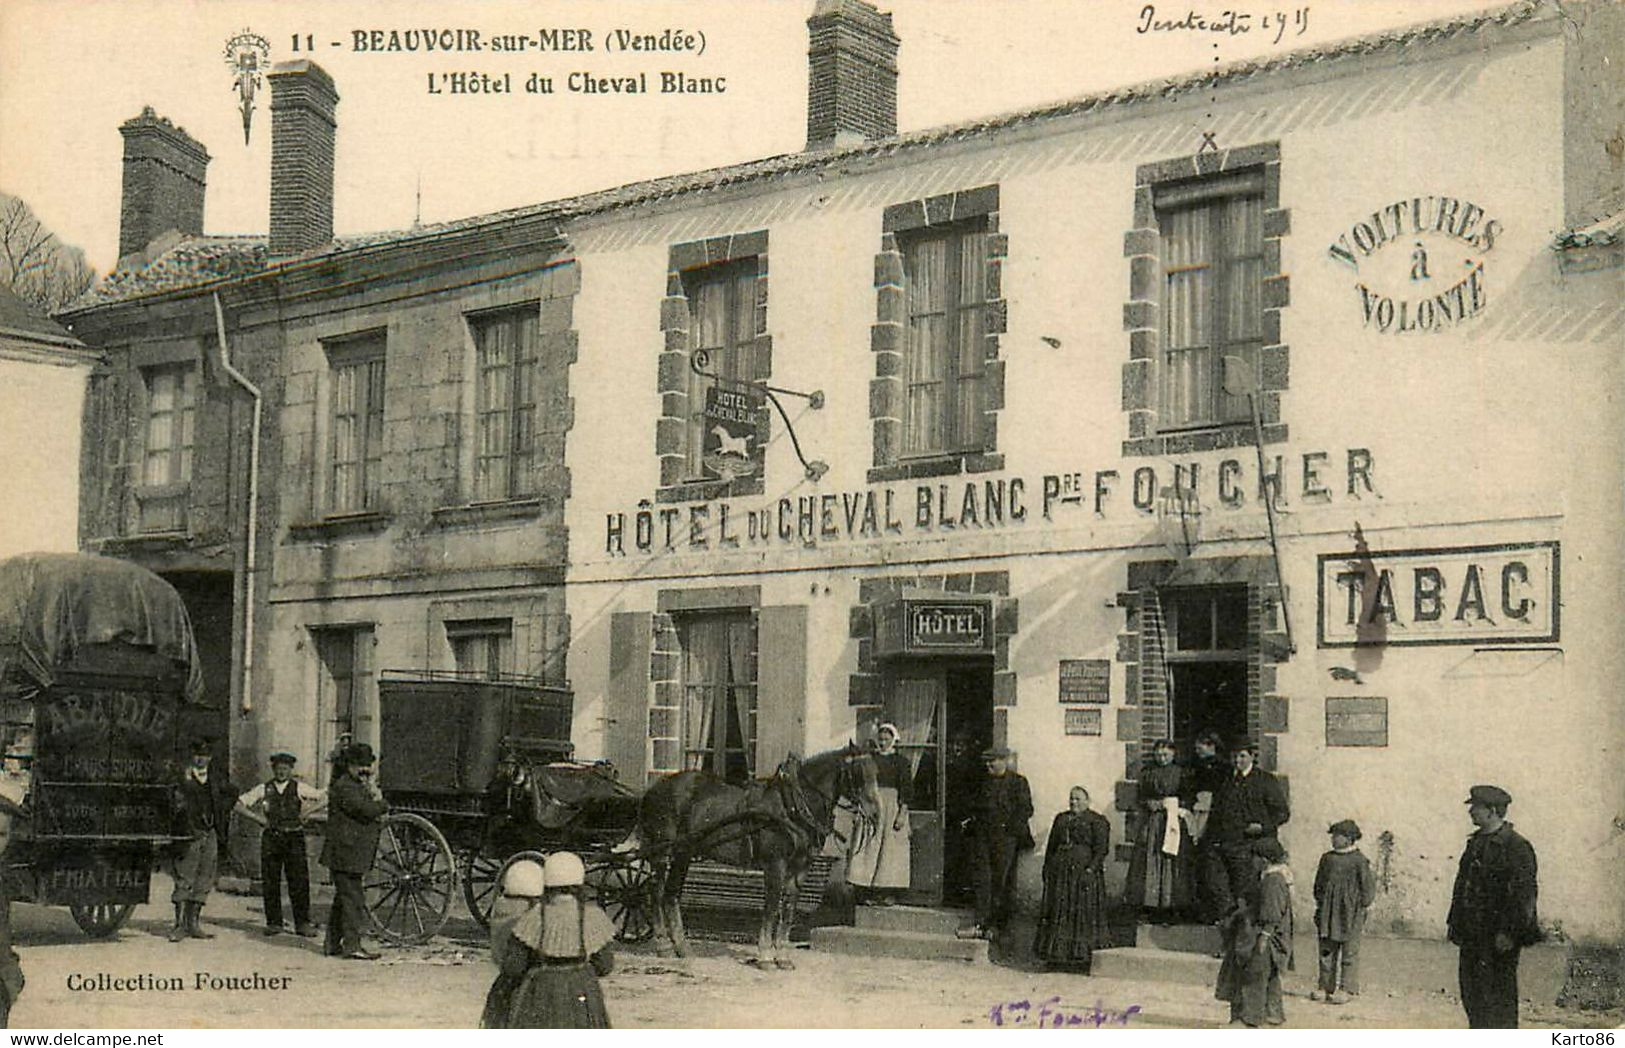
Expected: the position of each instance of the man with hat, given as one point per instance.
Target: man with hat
(1492, 911)
(999, 831)
(1250, 807)
(282, 805)
(355, 810)
(203, 803)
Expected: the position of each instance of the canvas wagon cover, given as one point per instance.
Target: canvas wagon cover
(53, 604)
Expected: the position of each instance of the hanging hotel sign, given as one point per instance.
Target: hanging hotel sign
(934, 626)
(730, 432)
(1420, 263)
(1504, 594)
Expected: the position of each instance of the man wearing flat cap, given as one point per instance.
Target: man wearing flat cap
(1250, 807)
(1492, 911)
(355, 810)
(999, 831)
(202, 820)
(282, 806)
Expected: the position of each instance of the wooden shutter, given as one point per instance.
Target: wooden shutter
(626, 705)
(781, 685)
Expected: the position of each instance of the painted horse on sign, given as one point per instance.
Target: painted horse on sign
(776, 825)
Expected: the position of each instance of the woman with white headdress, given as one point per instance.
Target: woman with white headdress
(558, 950)
(879, 868)
(522, 886)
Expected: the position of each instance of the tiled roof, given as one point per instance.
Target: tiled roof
(1597, 234)
(19, 319)
(200, 261)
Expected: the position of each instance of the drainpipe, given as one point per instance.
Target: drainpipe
(247, 702)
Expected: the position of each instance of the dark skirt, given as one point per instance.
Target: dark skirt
(556, 996)
(1072, 919)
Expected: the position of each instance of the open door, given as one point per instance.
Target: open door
(945, 719)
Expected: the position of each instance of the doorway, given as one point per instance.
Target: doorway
(945, 716)
(1207, 657)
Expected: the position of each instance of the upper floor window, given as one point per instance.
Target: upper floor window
(945, 390)
(722, 325)
(505, 351)
(171, 424)
(358, 423)
(166, 467)
(1212, 306)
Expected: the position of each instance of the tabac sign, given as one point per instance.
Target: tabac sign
(1506, 594)
(934, 626)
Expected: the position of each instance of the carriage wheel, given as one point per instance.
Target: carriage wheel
(480, 883)
(99, 920)
(410, 886)
(622, 890)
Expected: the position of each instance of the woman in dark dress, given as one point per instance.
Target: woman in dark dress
(560, 950)
(1160, 870)
(1072, 919)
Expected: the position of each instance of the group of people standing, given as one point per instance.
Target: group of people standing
(284, 807)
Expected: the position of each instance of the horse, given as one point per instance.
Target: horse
(776, 826)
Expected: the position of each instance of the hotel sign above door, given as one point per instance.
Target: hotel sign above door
(933, 626)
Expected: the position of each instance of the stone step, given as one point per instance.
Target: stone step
(874, 942)
(924, 920)
(1150, 963)
(1185, 938)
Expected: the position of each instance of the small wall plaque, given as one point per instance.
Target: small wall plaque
(1086, 680)
(1083, 722)
(1356, 721)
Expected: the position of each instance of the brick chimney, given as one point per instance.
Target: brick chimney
(303, 102)
(851, 74)
(164, 169)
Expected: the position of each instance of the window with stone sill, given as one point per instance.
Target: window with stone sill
(482, 648)
(357, 373)
(1211, 300)
(505, 397)
(944, 389)
(167, 445)
(722, 326)
(940, 309)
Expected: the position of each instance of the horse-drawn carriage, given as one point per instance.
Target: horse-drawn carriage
(478, 775)
(98, 671)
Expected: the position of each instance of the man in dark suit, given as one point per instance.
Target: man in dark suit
(203, 803)
(1250, 807)
(355, 808)
(999, 832)
(1492, 911)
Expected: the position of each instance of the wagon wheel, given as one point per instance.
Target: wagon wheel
(622, 889)
(410, 886)
(99, 920)
(480, 884)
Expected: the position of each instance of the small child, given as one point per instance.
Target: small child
(560, 949)
(522, 887)
(1344, 889)
(1258, 943)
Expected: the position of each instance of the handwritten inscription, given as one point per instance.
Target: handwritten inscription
(1272, 23)
(1051, 1014)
